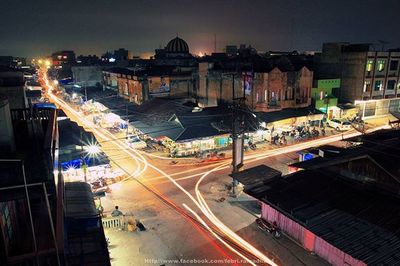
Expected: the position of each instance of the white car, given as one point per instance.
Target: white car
(339, 125)
(135, 142)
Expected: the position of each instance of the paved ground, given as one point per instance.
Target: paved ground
(240, 213)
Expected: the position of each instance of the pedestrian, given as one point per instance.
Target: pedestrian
(116, 212)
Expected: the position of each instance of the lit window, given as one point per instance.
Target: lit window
(369, 65)
(367, 86)
(378, 85)
(381, 65)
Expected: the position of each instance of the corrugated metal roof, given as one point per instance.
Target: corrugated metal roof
(356, 218)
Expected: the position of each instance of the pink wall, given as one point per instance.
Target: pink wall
(307, 239)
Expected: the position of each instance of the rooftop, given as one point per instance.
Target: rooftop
(352, 216)
(287, 113)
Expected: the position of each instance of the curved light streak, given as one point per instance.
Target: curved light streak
(132, 152)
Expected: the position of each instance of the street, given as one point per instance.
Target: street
(178, 203)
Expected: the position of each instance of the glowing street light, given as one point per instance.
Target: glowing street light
(55, 82)
(92, 149)
(47, 63)
(40, 61)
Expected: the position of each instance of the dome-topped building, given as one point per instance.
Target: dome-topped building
(177, 45)
(176, 53)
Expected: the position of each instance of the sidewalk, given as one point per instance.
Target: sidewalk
(240, 213)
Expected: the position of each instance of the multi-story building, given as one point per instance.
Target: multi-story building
(30, 221)
(63, 58)
(12, 86)
(110, 78)
(161, 81)
(267, 84)
(370, 79)
(323, 96)
(42, 222)
(87, 76)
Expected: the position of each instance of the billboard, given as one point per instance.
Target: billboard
(159, 85)
(247, 82)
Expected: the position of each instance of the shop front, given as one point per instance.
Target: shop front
(196, 146)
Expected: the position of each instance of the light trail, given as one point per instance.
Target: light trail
(200, 201)
(137, 156)
(217, 236)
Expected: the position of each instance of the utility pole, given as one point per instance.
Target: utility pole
(238, 128)
(85, 93)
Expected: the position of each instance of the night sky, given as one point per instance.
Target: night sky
(39, 27)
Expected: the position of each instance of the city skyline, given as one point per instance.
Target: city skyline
(142, 26)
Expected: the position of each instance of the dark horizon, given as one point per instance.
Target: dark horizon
(37, 29)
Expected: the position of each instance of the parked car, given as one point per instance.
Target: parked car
(135, 142)
(339, 124)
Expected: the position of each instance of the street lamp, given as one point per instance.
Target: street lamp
(92, 150)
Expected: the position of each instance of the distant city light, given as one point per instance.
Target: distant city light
(111, 60)
(47, 62)
(55, 82)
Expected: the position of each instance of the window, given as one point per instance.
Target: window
(391, 84)
(381, 65)
(378, 85)
(369, 65)
(126, 92)
(367, 86)
(394, 64)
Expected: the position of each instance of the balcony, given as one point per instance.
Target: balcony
(28, 183)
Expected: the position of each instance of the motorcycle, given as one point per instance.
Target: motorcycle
(268, 227)
(252, 146)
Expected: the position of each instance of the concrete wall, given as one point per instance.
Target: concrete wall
(270, 91)
(132, 89)
(110, 80)
(353, 68)
(89, 76)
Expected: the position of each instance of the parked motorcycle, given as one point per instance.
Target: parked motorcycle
(252, 146)
(268, 227)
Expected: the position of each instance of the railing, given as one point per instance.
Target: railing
(113, 222)
(31, 114)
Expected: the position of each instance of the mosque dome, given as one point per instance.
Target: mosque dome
(177, 45)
